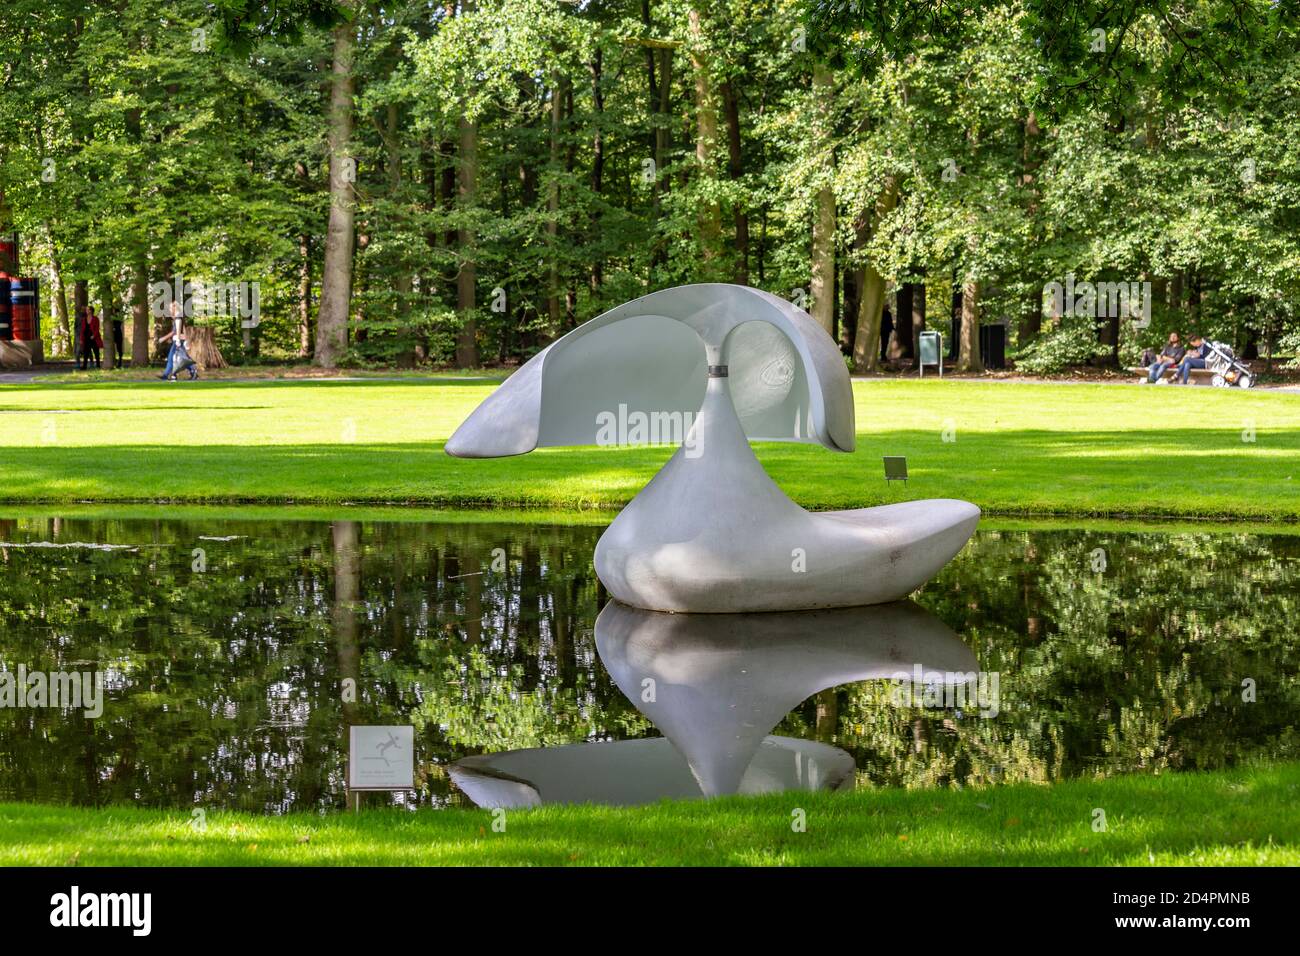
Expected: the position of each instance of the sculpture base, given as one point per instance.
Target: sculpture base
(713, 534)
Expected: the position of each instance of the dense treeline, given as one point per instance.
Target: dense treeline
(418, 182)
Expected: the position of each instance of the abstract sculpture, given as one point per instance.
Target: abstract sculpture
(712, 367)
(625, 773)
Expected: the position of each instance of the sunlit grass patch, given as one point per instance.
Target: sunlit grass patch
(1239, 817)
(1011, 448)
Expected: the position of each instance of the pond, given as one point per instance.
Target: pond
(236, 651)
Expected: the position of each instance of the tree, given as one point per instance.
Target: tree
(822, 288)
(336, 279)
(396, 167)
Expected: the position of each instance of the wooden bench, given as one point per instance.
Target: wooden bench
(1199, 376)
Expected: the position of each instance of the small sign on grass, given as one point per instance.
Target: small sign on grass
(381, 758)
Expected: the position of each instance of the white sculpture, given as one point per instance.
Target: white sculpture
(712, 367)
(626, 773)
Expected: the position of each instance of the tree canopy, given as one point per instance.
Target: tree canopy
(459, 183)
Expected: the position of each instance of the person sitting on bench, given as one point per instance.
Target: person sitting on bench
(1195, 358)
(1168, 358)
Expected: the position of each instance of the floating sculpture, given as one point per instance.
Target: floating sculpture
(712, 367)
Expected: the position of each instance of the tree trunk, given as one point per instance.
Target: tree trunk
(201, 343)
(1031, 322)
(968, 358)
(336, 281)
(107, 310)
(61, 342)
(162, 323)
(304, 295)
(736, 169)
(346, 548)
(871, 286)
(467, 187)
(706, 136)
(954, 321)
(663, 143)
(823, 233)
(597, 159)
(854, 281)
(828, 715)
(139, 312)
(871, 307)
(900, 342)
(139, 249)
(447, 202)
(553, 211)
(402, 282)
(918, 315)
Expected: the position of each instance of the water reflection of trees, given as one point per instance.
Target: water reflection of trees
(1138, 667)
(227, 686)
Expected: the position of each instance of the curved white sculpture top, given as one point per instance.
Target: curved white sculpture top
(787, 378)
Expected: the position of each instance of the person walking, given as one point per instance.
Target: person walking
(177, 354)
(116, 324)
(94, 340)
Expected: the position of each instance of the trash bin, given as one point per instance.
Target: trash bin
(993, 346)
(25, 314)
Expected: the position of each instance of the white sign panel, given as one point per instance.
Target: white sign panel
(381, 758)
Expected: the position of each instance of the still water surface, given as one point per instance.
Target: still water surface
(227, 647)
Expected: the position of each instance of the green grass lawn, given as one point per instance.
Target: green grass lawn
(1019, 448)
(1241, 817)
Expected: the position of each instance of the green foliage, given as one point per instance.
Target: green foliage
(1014, 152)
(1073, 342)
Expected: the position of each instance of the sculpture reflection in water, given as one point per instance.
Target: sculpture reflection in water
(715, 685)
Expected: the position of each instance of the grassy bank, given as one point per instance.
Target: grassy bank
(1240, 817)
(1016, 449)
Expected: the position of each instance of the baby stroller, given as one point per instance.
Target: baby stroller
(183, 362)
(1228, 371)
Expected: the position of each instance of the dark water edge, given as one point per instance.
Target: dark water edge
(226, 641)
